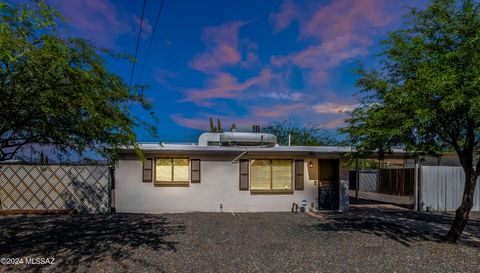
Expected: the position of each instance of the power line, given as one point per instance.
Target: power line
(138, 43)
(151, 40)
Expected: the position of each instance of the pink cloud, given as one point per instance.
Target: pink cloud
(97, 20)
(319, 59)
(194, 123)
(222, 48)
(225, 85)
(332, 124)
(343, 30)
(279, 110)
(163, 76)
(287, 14)
(100, 20)
(344, 18)
(334, 97)
(147, 27)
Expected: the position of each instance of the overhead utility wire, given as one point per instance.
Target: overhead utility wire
(138, 43)
(151, 40)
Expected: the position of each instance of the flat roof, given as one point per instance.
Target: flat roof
(192, 148)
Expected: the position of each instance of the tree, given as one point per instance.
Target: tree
(41, 159)
(310, 135)
(426, 95)
(215, 129)
(56, 91)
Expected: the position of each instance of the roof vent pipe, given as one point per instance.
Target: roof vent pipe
(289, 139)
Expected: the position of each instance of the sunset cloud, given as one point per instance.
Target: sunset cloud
(222, 48)
(278, 111)
(342, 31)
(334, 123)
(285, 16)
(347, 18)
(225, 85)
(100, 20)
(333, 108)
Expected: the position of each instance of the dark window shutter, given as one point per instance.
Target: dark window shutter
(147, 174)
(243, 186)
(195, 170)
(299, 167)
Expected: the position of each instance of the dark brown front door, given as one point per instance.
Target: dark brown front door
(328, 184)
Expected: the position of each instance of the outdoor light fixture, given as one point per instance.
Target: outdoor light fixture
(310, 163)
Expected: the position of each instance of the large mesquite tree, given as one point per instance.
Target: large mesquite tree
(56, 91)
(426, 94)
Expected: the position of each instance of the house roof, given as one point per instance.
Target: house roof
(193, 148)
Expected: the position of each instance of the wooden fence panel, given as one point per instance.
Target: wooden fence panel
(397, 181)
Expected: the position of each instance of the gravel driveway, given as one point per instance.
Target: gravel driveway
(362, 240)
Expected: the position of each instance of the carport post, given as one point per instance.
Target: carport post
(357, 182)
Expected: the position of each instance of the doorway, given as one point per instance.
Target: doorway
(328, 184)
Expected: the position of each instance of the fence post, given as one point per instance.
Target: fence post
(415, 190)
(1, 204)
(357, 178)
(111, 191)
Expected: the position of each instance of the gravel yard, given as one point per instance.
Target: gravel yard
(362, 240)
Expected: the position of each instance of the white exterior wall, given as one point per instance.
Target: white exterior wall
(219, 185)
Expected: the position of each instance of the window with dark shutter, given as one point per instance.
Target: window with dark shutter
(147, 175)
(299, 174)
(195, 170)
(243, 175)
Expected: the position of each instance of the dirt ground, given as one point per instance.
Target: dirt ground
(380, 239)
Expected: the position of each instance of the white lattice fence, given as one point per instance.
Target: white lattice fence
(85, 188)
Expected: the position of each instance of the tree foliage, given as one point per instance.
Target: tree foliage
(310, 135)
(56, 90)
(426, 95)
(215, 129)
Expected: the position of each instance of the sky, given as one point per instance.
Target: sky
(245, 62)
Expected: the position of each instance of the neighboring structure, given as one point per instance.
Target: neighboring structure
(230, 172)
(444, 159)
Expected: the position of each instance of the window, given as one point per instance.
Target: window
(171, 171)
(271, 175)
(147, 170)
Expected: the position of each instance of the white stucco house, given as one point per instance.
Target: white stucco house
(230, 172)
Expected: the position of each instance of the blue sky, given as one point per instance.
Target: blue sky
(245, 62)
